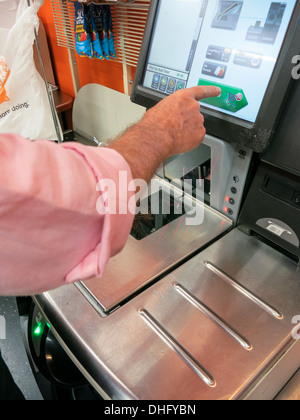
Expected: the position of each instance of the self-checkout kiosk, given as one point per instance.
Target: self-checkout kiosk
(206, 310)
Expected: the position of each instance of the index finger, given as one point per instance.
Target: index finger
(201, 92)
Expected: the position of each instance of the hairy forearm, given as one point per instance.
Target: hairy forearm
(144, 148)
(173, 126)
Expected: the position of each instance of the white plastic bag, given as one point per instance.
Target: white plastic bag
(24, 102)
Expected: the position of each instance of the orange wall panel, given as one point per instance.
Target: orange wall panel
(59, 55)
(106, 73)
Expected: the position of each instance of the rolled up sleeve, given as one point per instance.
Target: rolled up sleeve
(55, 222)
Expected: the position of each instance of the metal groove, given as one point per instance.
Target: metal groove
(243, 290)
(177, 347)
(213, 317)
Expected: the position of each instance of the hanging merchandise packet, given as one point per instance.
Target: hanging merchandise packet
(109, 26)
(99, 19)
(97, 49)
(82, 32)
(92, 31)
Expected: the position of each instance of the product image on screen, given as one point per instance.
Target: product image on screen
(230, 44)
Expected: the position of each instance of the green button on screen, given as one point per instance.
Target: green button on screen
(231, 99)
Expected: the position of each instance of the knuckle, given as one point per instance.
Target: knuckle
(196, 105)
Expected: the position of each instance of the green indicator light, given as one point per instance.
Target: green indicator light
(38, 330)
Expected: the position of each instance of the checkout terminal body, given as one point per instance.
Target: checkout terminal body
(204, 312)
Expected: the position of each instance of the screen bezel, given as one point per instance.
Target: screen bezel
(256, 136)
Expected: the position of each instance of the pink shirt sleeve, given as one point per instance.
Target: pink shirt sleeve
(53, 226)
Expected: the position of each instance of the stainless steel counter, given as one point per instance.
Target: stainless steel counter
(142, 261)
(218, 327)
(291, 392)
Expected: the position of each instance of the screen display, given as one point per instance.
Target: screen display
(230, 44)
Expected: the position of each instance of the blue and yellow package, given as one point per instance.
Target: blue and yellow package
(111, 43)
(97, 48)
(99, 19)
(82, 33)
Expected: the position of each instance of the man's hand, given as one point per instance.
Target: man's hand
(173, 126)
(179, 117)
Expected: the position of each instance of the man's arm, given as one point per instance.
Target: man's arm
(50, 230)
(173, 126)
(53, 224)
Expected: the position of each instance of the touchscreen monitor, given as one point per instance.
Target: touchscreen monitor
(241, 46)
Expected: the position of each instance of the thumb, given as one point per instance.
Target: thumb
(202, 92)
